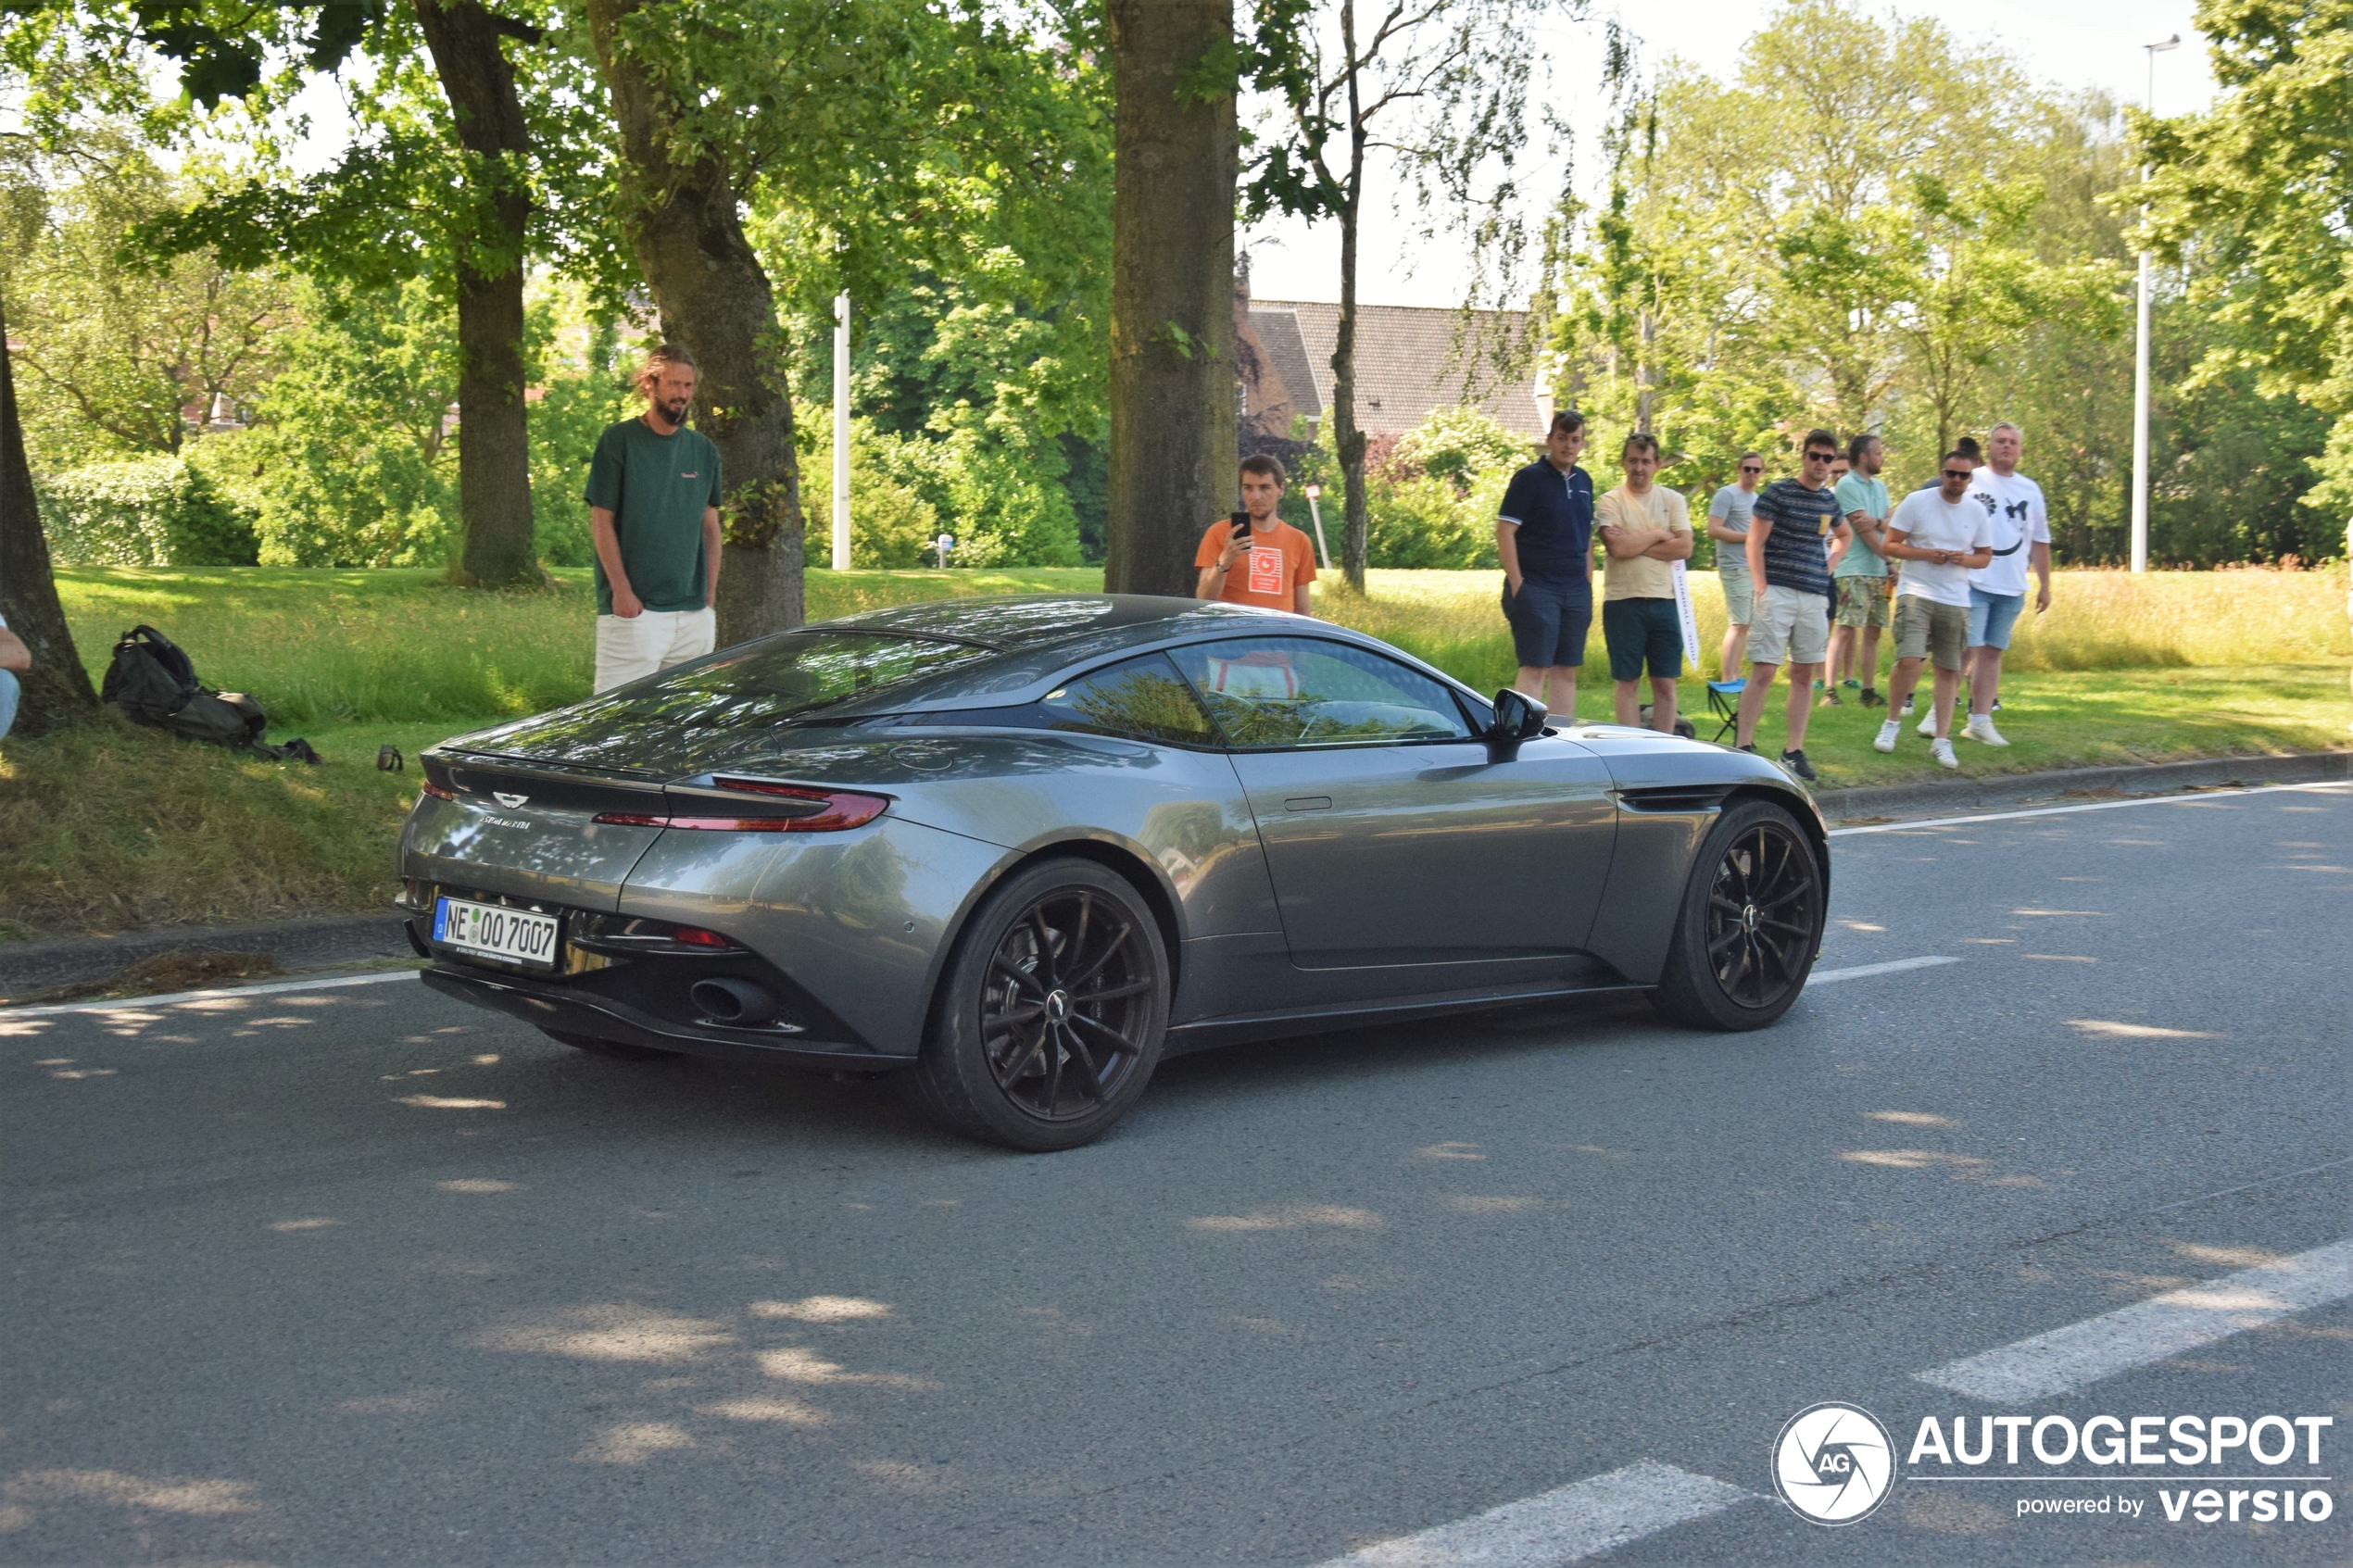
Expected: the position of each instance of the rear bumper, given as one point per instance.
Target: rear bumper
(552, 1004)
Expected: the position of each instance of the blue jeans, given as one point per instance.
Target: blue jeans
(9, 692)
(1991, 616)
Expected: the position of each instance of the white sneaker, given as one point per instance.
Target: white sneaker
(1980, 728)
(1887, 733)
(1942, 750)
(1927, 725)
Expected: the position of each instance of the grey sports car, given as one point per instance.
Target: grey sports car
(1020, 849)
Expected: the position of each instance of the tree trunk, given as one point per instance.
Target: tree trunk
(57, 689)
(1350, 440)
(1172, 314)
(715, 299)
(494, 449)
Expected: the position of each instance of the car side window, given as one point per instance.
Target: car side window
(1274, 691)
(1143, 698)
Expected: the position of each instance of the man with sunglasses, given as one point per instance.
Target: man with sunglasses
(1727, 516)
(1942, 536)
(1788, 557)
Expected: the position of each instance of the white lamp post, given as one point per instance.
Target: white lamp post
(1317, 512)
(2141, 360)
(841, 431)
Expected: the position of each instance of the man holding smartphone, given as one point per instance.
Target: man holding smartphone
(1255, 557)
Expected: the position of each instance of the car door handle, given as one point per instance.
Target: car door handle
(1308, 803)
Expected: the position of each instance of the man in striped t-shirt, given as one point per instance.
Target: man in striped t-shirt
(1794, 518)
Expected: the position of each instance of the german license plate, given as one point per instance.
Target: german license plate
(517, 935)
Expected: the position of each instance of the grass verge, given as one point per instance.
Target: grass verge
(116, 827)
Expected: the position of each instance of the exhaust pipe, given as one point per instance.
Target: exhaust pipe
(737, 1003)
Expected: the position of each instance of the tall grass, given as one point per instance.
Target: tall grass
(2098, 619)
(394, 647)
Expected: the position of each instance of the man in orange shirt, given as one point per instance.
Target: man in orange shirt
(1272, 563)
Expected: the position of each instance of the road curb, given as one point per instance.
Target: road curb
(1950, 797)
(323, 941)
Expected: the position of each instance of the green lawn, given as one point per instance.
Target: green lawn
(118, 827)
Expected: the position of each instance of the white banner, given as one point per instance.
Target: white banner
(1683, 613)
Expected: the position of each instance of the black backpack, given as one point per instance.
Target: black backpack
(154, 684)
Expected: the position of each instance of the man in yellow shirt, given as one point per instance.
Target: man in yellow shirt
(1645, 528)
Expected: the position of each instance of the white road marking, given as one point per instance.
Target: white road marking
(2205, 795)
(1892, 966)
(2067, 1359)
(1566, 1524)
(140, 1004)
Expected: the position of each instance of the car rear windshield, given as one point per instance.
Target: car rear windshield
(646, 725)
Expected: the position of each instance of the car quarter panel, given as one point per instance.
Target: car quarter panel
(858, 918)
(1669, 791)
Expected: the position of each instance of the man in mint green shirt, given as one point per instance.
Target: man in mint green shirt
(653, 515)
(1859, 574)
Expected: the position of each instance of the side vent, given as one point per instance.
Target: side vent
(1673, 799)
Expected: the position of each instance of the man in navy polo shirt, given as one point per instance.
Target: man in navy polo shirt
(1544, 534)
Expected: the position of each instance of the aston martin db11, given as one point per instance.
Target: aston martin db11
(1021, 849)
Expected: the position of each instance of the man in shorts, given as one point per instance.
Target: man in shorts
(1860, 573)
(1727, 516)
(2021, 536)
(1544, 534)
(1940, 536)
(1644, 528)
(653, 516)
(1787, 536)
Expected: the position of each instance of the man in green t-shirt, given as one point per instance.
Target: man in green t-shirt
(653, 512)
(1860, 573)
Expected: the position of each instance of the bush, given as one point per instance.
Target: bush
(890, 525)
(144, 511)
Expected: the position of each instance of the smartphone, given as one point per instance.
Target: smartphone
(1241, 526)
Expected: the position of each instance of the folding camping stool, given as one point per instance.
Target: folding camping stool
(1724, 701)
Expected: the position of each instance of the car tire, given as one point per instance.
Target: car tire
(1049, 1019)
(1750, 923)
(618, 1050)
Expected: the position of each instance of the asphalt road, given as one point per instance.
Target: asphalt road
(363, 1275)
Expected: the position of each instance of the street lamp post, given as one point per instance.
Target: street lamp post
(841, 431)
(2141, 358)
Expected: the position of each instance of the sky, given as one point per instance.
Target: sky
(2070, 44)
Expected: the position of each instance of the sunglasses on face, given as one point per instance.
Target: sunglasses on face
(1822, 456)
(1752, 468)
(1960, 474)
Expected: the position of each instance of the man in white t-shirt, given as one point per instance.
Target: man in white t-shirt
(2021, 538)
(15, 659)
(1941, 535)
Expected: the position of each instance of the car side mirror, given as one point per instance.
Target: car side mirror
(1519, 717)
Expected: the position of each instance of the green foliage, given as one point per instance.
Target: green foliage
(2258, 191)
(891, 526)
(1460, 444)
(111, 358)
(349, 461)
(143, 512)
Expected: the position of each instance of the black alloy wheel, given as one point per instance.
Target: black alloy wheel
(1049, 1018)
(1751, 922)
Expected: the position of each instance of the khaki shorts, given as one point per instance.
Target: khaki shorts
(1925, 629)
(1740, 595)
(1864, 601)
(1791, 627)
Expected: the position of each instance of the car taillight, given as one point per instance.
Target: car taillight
(696, 936)
(842, 810)
(438, 793)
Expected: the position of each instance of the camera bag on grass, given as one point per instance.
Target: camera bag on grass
(155, 683)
